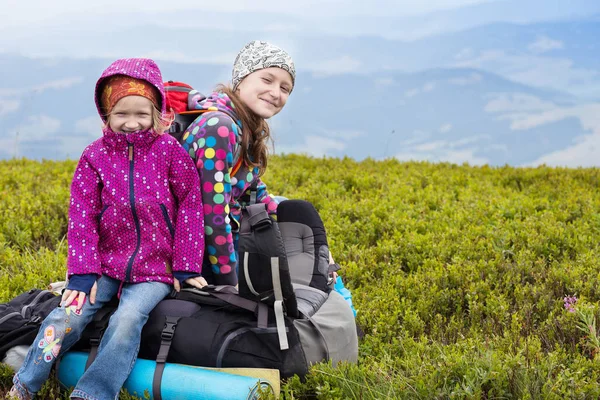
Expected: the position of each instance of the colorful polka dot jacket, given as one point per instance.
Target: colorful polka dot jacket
(211, 142)
(136, 208)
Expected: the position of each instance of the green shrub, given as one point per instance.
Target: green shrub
(458, 273)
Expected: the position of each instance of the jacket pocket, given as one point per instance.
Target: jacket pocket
(165, 214)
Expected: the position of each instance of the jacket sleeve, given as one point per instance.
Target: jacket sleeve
(188, 241)
(84, 209)
(211, 144)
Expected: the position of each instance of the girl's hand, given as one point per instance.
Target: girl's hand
(70, 295)
(332, 261)
(197, 282)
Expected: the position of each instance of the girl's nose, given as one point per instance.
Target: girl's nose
(131, 123)
(275, 93)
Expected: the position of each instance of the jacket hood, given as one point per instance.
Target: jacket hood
(217, 101)
(139, 68)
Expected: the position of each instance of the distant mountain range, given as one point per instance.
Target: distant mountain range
(496, 94)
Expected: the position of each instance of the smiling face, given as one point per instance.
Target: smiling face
(266, 91)
(130, 114)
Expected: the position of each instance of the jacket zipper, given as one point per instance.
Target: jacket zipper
(35, 300)
(134, 212)
(102, 212)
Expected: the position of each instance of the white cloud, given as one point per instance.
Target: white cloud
(544, 44)
(431, 146)
(384, 82)
(445, 128)
(90, 126)
(412, 92)
(8, 106)
(64, 83)
(481, 60)
(427, 87)
(342, 133)
(186, 57)
(516, 102)
(8, 146)
(452, 156)
(58, 84)
(418, 136)
(464, 54)
(582, 154)
(527, 112)
(537, 70)
(340, 65)
(315, 146)
(16, 13)
(458, 152)
(38, 127)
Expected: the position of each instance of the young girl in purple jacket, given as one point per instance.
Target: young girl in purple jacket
(136, 228)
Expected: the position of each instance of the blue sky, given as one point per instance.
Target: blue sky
(533, 67)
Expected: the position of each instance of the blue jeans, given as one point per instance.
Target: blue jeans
(117, 351)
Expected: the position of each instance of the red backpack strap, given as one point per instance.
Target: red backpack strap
(176, 94)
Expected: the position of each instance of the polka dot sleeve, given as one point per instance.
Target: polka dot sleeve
(210, 143)
(84, 208)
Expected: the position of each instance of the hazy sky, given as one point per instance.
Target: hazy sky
(26, 21)
(329, 37)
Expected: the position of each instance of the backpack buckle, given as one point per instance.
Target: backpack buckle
(175, 128)
(169, 330)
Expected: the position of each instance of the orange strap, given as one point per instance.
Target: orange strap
(236, 167)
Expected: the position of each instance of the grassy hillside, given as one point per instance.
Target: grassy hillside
(458, 273)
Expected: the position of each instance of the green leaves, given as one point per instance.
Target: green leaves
(458, 273)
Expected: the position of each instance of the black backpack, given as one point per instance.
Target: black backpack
(20, 318)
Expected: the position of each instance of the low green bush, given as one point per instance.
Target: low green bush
(458, 273)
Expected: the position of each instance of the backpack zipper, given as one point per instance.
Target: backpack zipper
(225, 344)
(235, 334)
(134, 212)
(35, 300)
(9, 316)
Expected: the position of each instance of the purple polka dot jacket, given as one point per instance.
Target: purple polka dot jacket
(136, 211)
(211, 142)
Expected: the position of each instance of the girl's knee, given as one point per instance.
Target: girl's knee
(127, 316)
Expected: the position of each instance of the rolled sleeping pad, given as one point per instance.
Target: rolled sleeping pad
(179, 381)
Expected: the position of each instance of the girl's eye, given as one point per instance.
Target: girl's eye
(285, 90)
(266, 80)
(119, 114)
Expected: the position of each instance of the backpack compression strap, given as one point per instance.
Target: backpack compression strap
(166, 337)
